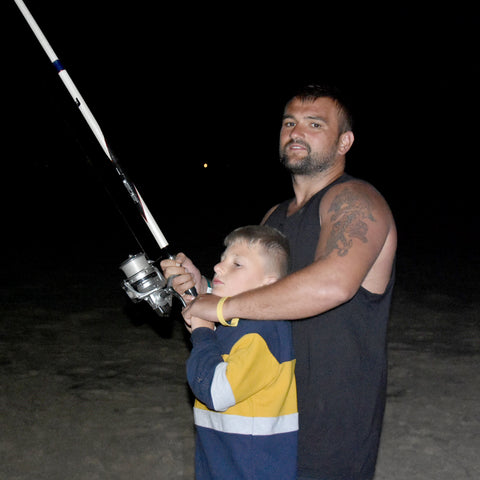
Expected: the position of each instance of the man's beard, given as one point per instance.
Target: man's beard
(312, 163)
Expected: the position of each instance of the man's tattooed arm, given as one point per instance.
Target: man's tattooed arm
(348, 210)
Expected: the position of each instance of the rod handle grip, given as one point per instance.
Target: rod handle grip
(192, 291)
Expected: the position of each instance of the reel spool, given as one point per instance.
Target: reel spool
(145, 282)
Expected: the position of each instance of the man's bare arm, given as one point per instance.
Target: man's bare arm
(356, 226)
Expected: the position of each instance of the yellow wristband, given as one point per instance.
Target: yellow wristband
(233, 321)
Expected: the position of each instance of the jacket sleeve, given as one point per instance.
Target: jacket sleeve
(219, 383)
(204, 358)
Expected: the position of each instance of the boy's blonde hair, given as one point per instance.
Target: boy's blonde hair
(273, 243)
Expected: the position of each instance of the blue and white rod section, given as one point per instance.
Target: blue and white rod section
(87, 114)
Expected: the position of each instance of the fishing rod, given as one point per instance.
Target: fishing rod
(144, 280)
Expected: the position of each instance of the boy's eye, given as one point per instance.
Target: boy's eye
(236, 264)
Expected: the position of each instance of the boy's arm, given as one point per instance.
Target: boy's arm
(220, 384)
(202, 363)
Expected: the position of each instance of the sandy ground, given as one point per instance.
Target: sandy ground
(93, 387)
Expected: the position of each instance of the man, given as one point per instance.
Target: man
(343, 241)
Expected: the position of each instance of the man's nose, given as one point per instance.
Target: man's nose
(296, 131)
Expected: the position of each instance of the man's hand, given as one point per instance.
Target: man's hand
(203, 306)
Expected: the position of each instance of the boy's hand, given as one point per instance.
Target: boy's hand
(199, 323)
(205, 306)
(187, 275)
(191, 323)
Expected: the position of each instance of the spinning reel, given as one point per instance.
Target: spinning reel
(145, 282)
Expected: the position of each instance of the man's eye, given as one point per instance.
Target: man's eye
(236, 264)
(316, 125)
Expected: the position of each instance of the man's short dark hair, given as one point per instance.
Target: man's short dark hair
(310, 93)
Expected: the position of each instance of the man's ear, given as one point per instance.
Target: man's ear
(345, 142)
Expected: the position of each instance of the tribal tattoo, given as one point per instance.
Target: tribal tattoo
(348, 209)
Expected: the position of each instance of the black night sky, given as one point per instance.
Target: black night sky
(174, 87)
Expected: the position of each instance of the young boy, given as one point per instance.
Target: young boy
(242, 374)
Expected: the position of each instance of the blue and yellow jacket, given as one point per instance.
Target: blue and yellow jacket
(246, 401)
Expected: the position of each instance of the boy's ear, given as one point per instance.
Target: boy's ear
(269, 279)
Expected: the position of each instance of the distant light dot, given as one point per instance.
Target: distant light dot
(205, 165)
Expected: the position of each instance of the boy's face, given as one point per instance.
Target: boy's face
(241, 268)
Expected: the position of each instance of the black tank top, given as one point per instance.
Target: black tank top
(341, 364)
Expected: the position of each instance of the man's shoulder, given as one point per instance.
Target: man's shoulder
(353, 193)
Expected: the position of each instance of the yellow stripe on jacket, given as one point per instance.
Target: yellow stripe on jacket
(261, 386)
